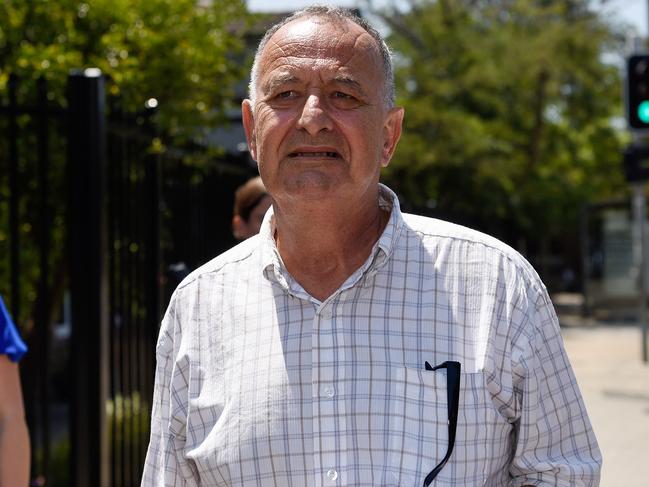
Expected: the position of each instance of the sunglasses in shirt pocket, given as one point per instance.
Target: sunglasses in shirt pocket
(419, 432)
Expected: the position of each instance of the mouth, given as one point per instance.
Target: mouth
(315, 154)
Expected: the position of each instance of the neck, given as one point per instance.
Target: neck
(322, 248)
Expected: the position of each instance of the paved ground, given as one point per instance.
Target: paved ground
(615, 384)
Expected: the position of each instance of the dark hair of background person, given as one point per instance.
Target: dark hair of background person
(251, 200)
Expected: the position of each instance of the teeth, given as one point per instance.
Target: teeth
(316, 154)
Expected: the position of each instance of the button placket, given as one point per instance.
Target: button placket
(324, 427)
(329, 424)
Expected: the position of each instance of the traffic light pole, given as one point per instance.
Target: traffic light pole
(640, 246)
(636, 165)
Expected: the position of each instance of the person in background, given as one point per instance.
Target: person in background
(14, 438)
(250, 204)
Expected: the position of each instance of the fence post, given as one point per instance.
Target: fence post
(14, 199)
(154, 257)
(88, 278)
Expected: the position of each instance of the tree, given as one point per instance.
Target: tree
(510, 109)
(188, 54)
(185, 53)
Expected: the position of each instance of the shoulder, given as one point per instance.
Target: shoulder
(223, 264)
(471, 247)
(199, 294)
(218, 276)
(451, 232)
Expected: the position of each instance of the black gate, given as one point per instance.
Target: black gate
(91, 217)
(33, 264)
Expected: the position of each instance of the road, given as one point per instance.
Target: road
(615, 384)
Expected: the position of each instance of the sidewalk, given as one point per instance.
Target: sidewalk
(607, 360)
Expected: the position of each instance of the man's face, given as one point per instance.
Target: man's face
(319, 127)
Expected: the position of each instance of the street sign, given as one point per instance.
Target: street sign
(637, 91)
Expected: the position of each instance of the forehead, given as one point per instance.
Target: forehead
(320, 43)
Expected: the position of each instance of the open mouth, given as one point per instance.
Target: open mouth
(316, 154)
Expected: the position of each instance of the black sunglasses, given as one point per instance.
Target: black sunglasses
(453, 393)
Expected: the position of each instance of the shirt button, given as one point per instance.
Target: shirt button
(326, 314)
(329, 392)
(332, 475)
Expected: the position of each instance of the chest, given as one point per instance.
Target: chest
(298, 394)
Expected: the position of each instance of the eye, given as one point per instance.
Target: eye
(285, 94)
(343, 96)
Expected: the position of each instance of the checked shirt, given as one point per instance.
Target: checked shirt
(259, 384)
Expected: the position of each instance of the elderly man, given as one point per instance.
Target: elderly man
(350, 344)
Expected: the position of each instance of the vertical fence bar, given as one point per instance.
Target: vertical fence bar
(14, 199)
(116, 313)
(125, 303)
(112, 264)
(137, 286)
(28, 373)
(43, 305)
(152, 282)
(131, 301)
(88, 278)
(134, 337)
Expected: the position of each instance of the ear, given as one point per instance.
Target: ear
(249, 127)
(391, 134)
(238, 227)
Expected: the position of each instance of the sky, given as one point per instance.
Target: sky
(632, 12)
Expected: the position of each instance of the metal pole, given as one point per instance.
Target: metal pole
(14, 200)
(44, 299)
(640, 211)
(88, 278)
(639, 216)
(584, 241)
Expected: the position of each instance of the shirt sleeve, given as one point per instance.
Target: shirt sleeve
(10, 342)
(555, 443)
(165, 464)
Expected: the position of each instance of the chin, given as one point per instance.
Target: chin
(312, 185)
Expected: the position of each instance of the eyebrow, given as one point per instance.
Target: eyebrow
(281, 79)
(351, 83)
(286, 78)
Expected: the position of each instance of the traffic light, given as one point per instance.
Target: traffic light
(636, 163)
(637, 95)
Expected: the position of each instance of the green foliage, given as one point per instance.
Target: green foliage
(510, 110)
(189, 55)
(128, 419)
(127, 423)
(185, 53)
(59, 463)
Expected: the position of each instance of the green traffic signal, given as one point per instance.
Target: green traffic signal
(643, 111)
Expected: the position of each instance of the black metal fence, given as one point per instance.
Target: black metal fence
(134, 288)
(32, 256)
(91, 218)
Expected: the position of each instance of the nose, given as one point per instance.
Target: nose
(314, 117)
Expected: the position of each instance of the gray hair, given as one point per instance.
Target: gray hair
(336, 14)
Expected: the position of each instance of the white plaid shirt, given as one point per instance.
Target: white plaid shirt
(260, 384)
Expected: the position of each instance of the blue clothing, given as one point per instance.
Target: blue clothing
(10, 342)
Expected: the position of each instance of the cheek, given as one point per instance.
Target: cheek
(271, 123)
(363, 133)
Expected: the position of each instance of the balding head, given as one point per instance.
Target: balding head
(336, 15)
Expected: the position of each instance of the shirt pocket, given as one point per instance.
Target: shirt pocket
(419, 431)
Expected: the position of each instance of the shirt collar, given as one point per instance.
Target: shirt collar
(274, 269)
